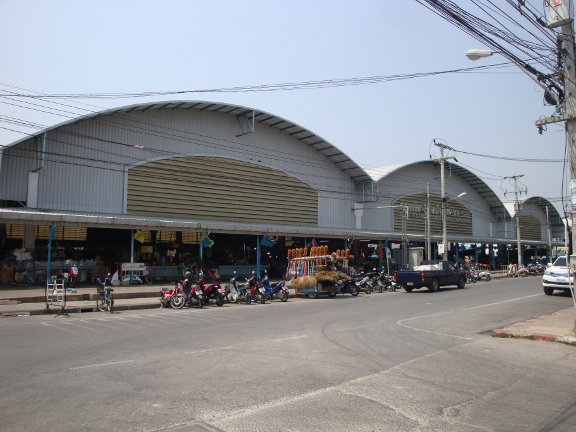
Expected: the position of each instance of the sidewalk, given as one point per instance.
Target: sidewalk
(18, 300)
(554, 327)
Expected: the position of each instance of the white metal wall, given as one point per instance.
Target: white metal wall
(87, 161)
(413, 179)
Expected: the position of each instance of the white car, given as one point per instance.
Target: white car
(556, 277)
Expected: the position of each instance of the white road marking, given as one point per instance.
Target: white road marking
(207, 350)
(101, 365)
(290, 338)
(401, 322)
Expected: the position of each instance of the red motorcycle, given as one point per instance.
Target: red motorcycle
(255, 290)
(213, 293)
(177, 297)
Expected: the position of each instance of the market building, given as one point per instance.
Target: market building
(178, 173)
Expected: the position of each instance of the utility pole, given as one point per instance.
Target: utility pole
(405, 237)
(442, 159)
(549, 227)
(427, 227)
(564, 13)
(517, 191)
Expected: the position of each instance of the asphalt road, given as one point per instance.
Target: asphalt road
(399, 361)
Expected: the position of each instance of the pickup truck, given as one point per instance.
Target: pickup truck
(432, 274)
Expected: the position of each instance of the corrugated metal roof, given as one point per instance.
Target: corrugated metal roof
(555, 217)
(300, 133)
(472, 179)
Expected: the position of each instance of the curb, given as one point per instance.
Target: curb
(503, 332)
(79, 297)
(78, 309)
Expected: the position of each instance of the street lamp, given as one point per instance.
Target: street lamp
(477, 53)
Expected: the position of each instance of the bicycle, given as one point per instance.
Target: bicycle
(105, 299)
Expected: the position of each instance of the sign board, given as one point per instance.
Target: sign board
(133, 266)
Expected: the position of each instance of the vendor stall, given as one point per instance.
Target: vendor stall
(316, 273)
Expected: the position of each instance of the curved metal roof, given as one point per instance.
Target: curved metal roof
(472, 179)
(329, 151)
(543, 203)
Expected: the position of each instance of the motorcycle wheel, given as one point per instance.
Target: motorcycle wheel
(177, 302)
(262, 299)
(368, 289)
(220, 301)
(284, 296)
(248, 299)
(232, 298)
(474, 280)
(379, 288)
(200, 304)
(354, 292)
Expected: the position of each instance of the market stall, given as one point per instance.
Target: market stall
(314, 271)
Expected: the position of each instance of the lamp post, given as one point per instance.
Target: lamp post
(568, 76)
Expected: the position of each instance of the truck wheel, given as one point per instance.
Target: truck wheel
(434, 286)
(408, 288)
(461, 283)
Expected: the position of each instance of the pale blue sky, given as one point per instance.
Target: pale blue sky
(65, 46)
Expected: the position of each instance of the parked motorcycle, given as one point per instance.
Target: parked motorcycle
(213, 292)
(278, 291)
(514, 271)
(235, 294)
(384, 282)
(179, 296)
(255, 290)
(347, 286)
(365, 282)
(485, 275)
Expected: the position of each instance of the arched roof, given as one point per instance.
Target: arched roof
(472, 179)
(329, 151)
(543, 203)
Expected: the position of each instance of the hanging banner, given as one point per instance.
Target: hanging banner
(266, 241)
(207, 242)
(139, 236)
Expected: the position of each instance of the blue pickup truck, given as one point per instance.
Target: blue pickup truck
(431, 274)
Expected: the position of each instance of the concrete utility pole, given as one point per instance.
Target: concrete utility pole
(442, 159)
(517, 191)
(549, 229)
(427, 227)
(564, 12)
(405, 263)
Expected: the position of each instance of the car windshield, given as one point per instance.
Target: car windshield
(560, 262)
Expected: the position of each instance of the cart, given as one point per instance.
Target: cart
(305, 270)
